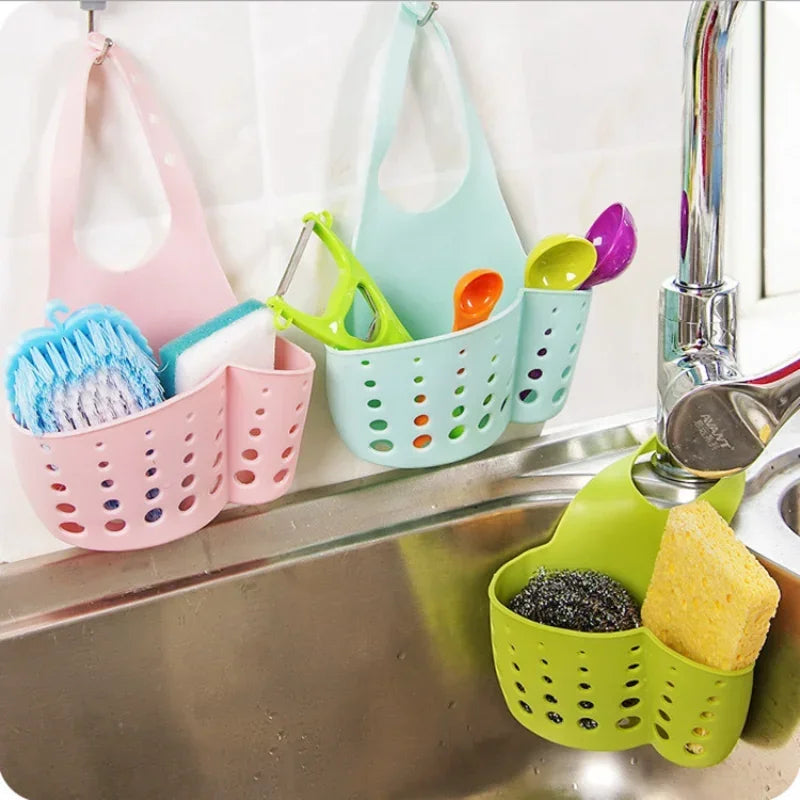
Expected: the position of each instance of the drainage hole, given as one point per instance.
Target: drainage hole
(71, 527)
(382, 445)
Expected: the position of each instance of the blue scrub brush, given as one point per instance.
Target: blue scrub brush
(92, 367)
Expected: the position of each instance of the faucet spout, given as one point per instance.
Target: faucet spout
(706, 75)
(712, 420)
(697, 319)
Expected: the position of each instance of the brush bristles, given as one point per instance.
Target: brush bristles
(97, 375)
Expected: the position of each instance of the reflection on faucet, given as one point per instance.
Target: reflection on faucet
(711, 420)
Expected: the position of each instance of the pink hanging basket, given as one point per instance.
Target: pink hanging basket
(166, 472)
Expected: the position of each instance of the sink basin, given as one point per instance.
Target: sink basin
(337, 647)
(790, 507)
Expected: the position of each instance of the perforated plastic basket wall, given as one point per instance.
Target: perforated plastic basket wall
(614, 691)
(443, 399)
(551, 332)
(164, 473)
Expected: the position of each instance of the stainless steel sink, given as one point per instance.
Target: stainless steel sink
(336, 647)
(790, 507)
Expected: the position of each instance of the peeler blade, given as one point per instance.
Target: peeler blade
(294, 259)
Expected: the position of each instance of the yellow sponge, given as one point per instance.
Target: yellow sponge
(709, 598)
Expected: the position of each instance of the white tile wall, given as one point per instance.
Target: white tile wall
(274, 102)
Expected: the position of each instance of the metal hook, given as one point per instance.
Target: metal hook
(107, 44)
(432, 9)
(90, 6)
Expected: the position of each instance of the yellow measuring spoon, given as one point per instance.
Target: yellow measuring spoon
(561, 262)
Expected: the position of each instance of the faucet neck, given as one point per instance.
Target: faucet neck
(705, 91)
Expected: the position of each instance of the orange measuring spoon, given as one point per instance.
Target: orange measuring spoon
(475, 295)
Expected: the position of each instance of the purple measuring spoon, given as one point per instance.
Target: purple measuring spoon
(613, 235)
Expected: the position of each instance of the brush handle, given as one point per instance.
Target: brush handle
(182, 285)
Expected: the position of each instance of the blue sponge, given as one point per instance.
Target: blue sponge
(243, 335)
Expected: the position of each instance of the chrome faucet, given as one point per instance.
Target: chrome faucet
(712, 421)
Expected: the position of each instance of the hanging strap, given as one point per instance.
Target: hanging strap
(187, 213)
(182, 284)
(395, 76)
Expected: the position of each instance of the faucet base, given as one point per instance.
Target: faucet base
(666, 468)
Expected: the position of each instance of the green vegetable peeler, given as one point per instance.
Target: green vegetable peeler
(329, 327)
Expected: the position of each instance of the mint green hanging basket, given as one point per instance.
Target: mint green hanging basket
(449, 397)
(446, 396)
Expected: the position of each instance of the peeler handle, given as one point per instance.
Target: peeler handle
(330, 327)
